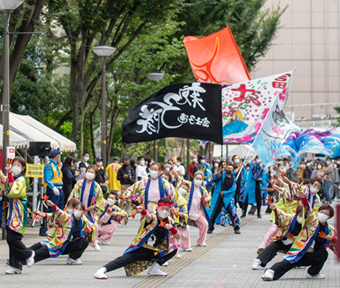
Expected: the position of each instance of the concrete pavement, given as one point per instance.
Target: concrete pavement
(225, 262)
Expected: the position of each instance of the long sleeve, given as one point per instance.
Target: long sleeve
(48, 175)
(18, 189)
(120, 174)
(69, 177)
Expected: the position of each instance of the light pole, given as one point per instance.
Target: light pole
(6, 8)
(155, 77)
(103, 52)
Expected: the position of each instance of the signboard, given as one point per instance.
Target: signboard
(35, 170)
(10, 152)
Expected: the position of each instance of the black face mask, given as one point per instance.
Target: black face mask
(228, 172)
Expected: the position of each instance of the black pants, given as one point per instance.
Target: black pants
(138, 254)
(75, 249)
(218, 207)
(315, 260)
(237, 194)
(258, 197)
(18, 252)
(270, 252)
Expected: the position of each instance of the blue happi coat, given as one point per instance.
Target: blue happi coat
(255, 171)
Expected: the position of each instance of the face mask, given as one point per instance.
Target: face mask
(163, 214)
(167, 169)
(247, 168)
(328, 162)
(319, 166)
(228, 172)
(237, 161)
(16, 170)
(99, 164)
(178, 163)
(142, 162)
(334, 166)
(322, 217)
(308, 164)
(89, 176)
(313, 190)
(216, 165)
(198, 182)
(338, 162)
(110, 201)
(299, 219)
(70, 210)
(82, 170)
(303, 166)
(77, 213)
(153, 174)
(86, 159)
(195, 159)
(182, 191)
(203, 161)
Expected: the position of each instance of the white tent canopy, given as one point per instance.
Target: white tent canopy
(234, 149)
(15, 139)
(65, 144)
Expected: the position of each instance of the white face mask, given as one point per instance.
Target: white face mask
(299, 219)
(178, 163)
(77, 213)
(182, 191)
(322, 217)
(110, 201)
(99, 164)
(216, 165)
(167, 169)
(86, 159)
(82, 170)
(328, 162)
(70, 210)
(16, 170)
(153, 174)
(203, 161)
(89, 176)
(237, 161)
(198, 182)
(313, 190)
(142, 162)
(163, 214)
(319, 167)
(308, 164)
(195, 159)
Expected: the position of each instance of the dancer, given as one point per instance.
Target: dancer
(223, 198)
(15, 191)
(309, 247)
(139, 256)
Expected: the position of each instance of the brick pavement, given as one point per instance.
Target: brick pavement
(227, 264)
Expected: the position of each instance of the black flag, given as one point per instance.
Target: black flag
(188, 110)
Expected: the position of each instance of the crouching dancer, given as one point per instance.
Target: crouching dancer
(139, 256)
(70, 235)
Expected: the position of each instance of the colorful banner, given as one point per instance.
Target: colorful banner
(189, 110)
(274, 131)
(216, 58)
(245, 105)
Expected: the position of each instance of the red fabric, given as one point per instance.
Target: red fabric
(164, 204)
(54, 207)
(334, 240)
(144, 211)
(191, 169)
(305, 202)
(173, 230)
(10, 177)
(216, 58)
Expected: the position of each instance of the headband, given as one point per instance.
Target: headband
(164, 204)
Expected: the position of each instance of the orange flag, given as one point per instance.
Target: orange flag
(216, 58)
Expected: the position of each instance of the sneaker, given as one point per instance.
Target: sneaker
(260, 248)
(210, 230)
(178, 255)
(97, 247)
(102, 242)
(237, 230)
(13, 270)
(256, 264)
(166, 264)
(201, 245)
(154, 270)
(268, 275)
(317, 276)
(30, 261)
(185, 250)
(71, 261)
(100, 274)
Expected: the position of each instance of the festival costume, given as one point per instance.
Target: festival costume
(104, 226)
(207, 172)
(63, 239)
(252, 191)
(16, 220)
(95, 198)
(140, 192)
(140, 256)
(112, 171)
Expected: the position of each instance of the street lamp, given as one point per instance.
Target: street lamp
(155, 77)
(6, 8)
(103, 52)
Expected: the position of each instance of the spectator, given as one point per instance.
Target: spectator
(140, 170)
(192, 167)
(180, 167)
(309, 170)
(292, 174)
(85, 159)
(111, 171)
(133, 164)
(126, 175)
(317, 171)
(328, 178)
(300, 170)
(101, 176)
(68, 177)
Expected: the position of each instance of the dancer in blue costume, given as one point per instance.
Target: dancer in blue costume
(225, 187)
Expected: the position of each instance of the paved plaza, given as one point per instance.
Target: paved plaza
(225, 262)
